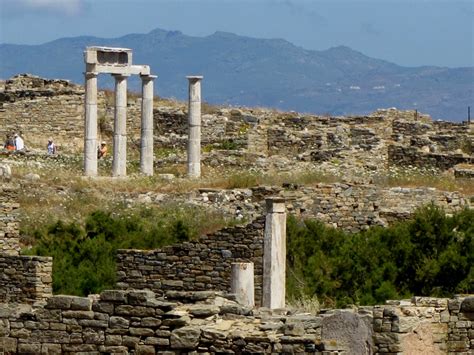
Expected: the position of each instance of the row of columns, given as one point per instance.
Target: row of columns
(119, 163)
(274, 262)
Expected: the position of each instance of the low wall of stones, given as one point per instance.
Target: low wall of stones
(425, 326)
(212, 322)
(204, 264)
(25, 279)
(411, 156)
(9, 226)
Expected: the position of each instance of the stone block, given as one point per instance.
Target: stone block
(8, 345)
(29, 348)
(114, 296)
(81, 304)
(50, 349)
(157, 341)
(145, 350)
(185, 338)
(119, 322)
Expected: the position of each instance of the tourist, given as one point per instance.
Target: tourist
(9, 143)
(51, 147)
(102, 151)
(19, 143)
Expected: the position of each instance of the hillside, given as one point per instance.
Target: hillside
(262, 72)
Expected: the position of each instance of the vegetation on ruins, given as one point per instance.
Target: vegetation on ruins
(84, 254)
(432, 255)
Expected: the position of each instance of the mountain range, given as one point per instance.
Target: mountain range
(261, 72)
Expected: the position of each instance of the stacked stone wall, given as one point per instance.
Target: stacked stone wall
(410, 156)
(9, 226)
(204, 264)
(25, 279)
(211, 322)
(425, 326)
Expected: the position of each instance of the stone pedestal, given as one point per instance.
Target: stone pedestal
(119, 163)
(242, 283)
(90, 127)
(146, 148)
(194, 133)
(274, 254)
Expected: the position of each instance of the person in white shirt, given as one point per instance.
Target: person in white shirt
(51, 147)
(19, 143)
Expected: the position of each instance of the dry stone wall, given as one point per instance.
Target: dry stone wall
(133, 321)
(41, 108)
(25, 279)
(9, 227)
(410, 156)
(204, 264)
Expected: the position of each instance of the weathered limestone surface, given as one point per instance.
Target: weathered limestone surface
(211, 322)
(242, 283)
(204, 264)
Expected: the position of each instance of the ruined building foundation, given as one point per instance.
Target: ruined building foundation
(168, 313)
(118, 62)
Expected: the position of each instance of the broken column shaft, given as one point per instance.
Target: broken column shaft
(146, 148)
(194, 133)
(90, 128)
(242, 283)
(274, 254)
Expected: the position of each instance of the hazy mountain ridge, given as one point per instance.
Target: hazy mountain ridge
(261, 72)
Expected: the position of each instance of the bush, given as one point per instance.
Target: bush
(84, 255)
(430, 255)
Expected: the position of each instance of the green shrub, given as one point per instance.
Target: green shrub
(430, 255)
(84, 255)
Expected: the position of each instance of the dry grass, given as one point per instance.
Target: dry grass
(443, 182)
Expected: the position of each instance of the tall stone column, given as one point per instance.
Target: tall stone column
(194, 133)
(242, 284)
(119, 163)
(146, 148)
(90, 125)
(274, 254)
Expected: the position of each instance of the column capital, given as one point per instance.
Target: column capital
(275, 204)
(120, 76)
(148, 77)
(194, 78)
(91, 74)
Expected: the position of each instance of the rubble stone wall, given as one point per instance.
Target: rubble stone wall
(9, 226)
(405, 156)
(25, 279)
(133, 321)
(204, 264)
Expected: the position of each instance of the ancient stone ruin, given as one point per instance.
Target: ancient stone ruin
(177, 300)
(118, 62)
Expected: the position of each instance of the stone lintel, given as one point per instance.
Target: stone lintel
(145, 77)
(275, 205)
(194, 77)
(120, 69)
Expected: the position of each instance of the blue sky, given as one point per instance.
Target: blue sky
(406, 32)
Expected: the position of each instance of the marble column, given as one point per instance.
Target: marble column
(119, 163)
(90, 125)
(274, 254)
(146, 148)
(242, 284)
(194, 133)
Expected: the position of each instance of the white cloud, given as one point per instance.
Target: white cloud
(63, 7)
